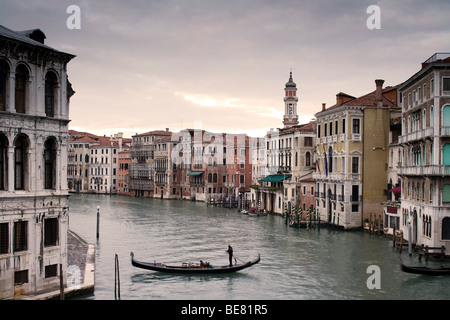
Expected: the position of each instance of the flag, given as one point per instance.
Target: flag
(318, 166)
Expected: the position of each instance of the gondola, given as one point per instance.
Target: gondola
(187, 268)
(426, 270)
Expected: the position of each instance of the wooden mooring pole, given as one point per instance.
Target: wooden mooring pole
(61, 283)
(116, 279)
(98, 221)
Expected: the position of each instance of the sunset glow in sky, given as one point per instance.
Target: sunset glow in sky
(145, 65)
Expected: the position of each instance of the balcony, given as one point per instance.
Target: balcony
(445, 131)
(421, 134)
(426, 170)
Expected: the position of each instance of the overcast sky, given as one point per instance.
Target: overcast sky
(222, 64)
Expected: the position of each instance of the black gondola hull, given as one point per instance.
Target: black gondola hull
(426, 270)
(191, 270)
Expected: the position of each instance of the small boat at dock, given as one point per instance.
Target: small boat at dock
(442, 271)
(190, 268)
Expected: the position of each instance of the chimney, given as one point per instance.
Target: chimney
(379, 91)
(167, 129)
(323, 106)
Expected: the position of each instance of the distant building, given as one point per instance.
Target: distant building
(142, 170)
(123, 172)
(34, 209)
(283, 159)
(88, 156)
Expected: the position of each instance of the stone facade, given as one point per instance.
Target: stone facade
(34, 210)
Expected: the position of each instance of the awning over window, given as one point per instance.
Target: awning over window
(195, 173)
(396, 189)
(276, 177)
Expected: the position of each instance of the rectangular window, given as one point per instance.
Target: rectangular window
(51, 271)
(20, 236)
(355, 165)
(355, 193)
(446, 86)
(318, 132)
(20, 277)
(356, 126)
(4, 238)
(51, 232)
(343, 125)
(308, 141)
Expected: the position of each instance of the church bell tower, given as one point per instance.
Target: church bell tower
(290, 117)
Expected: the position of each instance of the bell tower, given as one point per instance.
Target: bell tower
(290, 117)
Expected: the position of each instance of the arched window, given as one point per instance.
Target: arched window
(424, 124)
(3, 161)
(215, 178)
(4, 75)
(446, 228)
(330, 159)
(307, 158)
(446, 193)
(21, 88)
(209, 178)
(20, 162)
(49, 163)
(50, 94)
(446, 116)
(446, 154)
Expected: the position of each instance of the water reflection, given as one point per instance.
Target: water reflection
(295, 263)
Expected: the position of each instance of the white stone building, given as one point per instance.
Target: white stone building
(425, 170)
(34, 114)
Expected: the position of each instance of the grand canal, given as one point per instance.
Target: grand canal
(295, 263)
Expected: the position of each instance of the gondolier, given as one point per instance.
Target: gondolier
(230, 254)
(188, 268)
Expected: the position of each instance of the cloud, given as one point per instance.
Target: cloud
(169, 63)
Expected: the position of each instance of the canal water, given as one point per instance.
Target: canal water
(295, 263)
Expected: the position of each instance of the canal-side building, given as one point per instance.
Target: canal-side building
(238, 166)
(425, 141)
(352, 157)
(391, 206)
(34, 117)
(85, 155)
(103, 167)
(78, 162)
(289, 153)
(123, 172)
(142, 173)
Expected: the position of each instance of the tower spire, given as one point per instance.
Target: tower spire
(290, 103)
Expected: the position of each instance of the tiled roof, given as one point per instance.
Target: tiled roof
(23, 36)
(367, 100)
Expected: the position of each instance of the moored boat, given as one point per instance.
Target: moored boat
(189, 268)
(426, 270)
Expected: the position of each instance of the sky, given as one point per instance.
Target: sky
(219, 65)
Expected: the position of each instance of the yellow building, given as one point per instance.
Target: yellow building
(352, 156)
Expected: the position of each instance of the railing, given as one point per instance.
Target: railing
(425, 170)
(420, 134)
